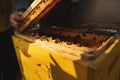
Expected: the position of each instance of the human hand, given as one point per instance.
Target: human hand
(16, 19)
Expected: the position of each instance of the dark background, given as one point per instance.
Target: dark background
(71, 13)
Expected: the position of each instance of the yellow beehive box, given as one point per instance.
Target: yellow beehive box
(38, 62)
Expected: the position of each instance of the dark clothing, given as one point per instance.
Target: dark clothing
(8, 60)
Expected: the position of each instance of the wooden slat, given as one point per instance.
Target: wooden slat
(36, 11)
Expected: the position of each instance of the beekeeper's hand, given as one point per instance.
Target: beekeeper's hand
(16, 19)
